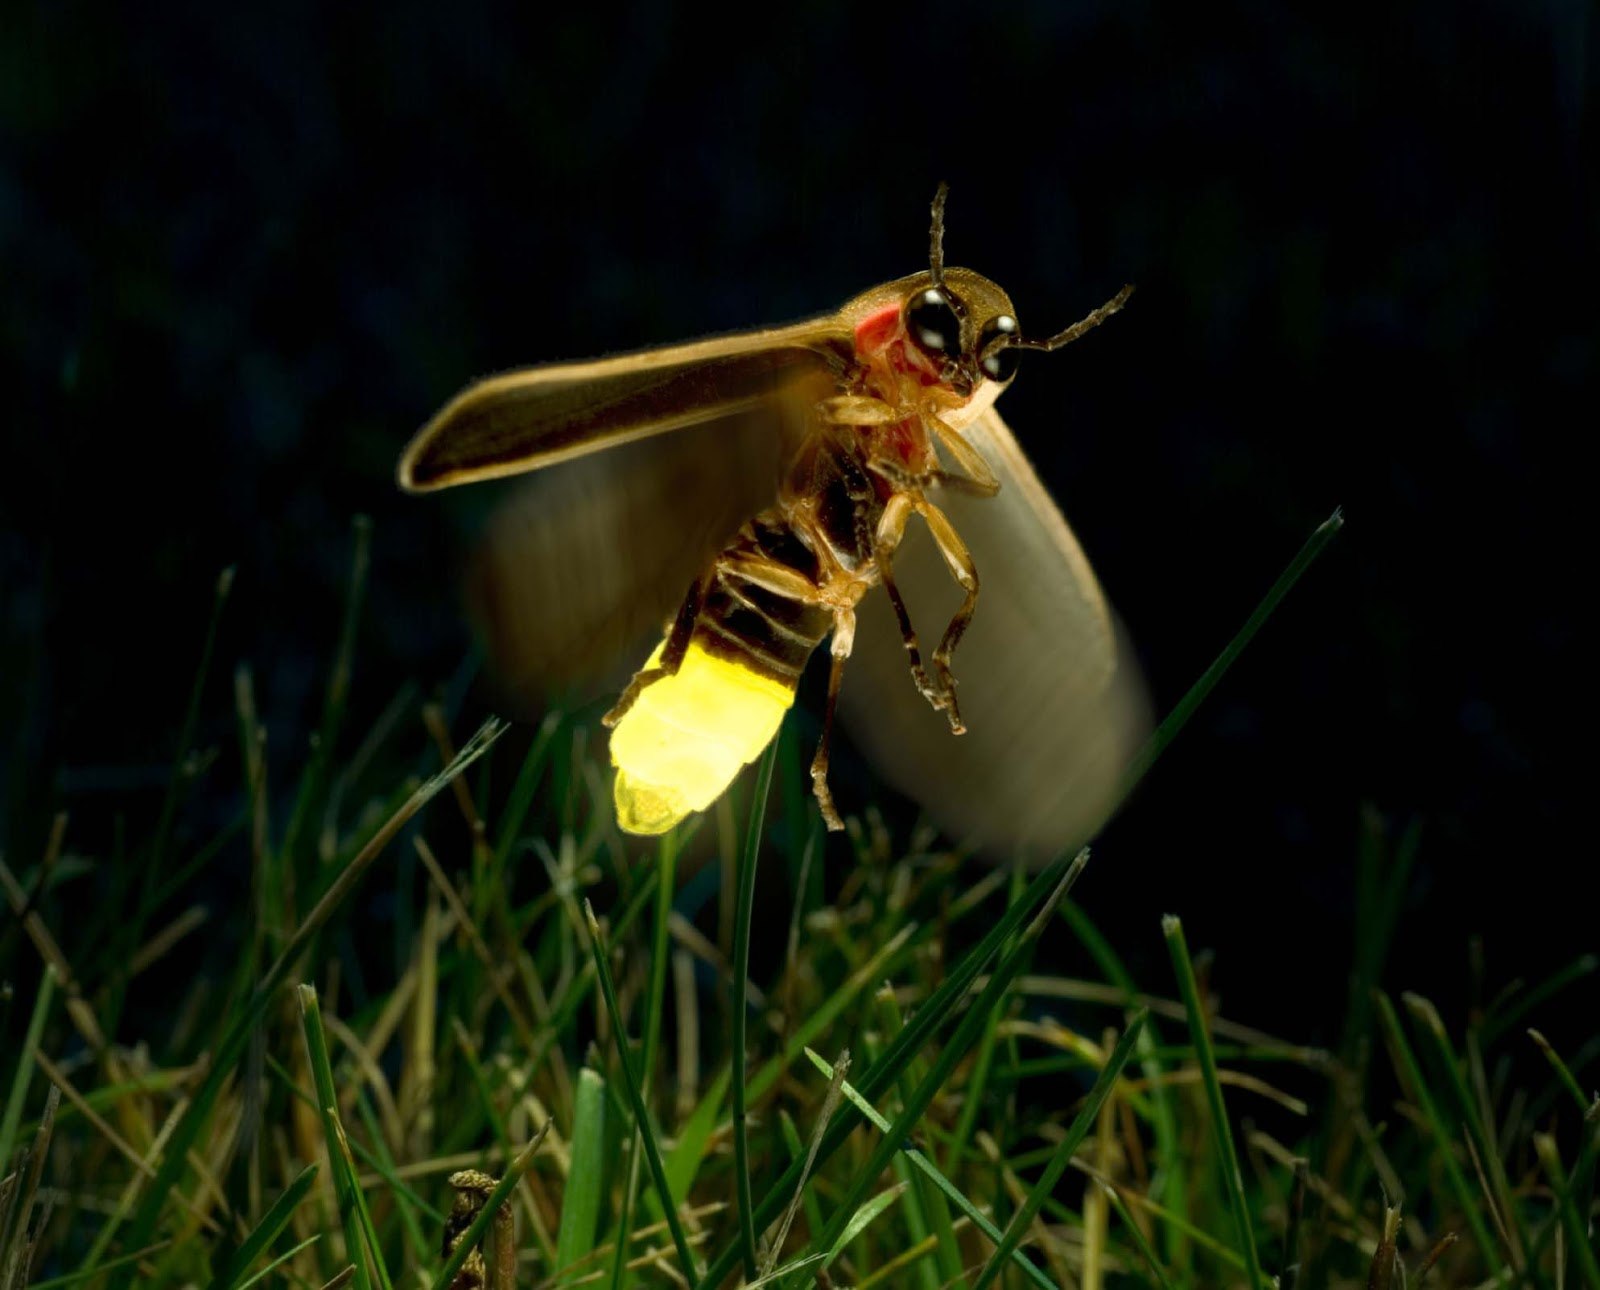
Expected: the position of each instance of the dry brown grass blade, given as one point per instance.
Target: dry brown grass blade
(18, 1236)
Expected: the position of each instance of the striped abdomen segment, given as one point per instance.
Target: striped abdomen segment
(688, 734)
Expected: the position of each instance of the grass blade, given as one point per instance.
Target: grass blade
(22, 1076)
(744, 908)
(360, 1241)
(918, 1030)
(225, 1059)
(1062, 1156)
(860, 1219)
(652, 1149)
(920, 1161)
(1168, 730)
(266, 1231)
(580, 1202)
(498, 1197)
(1410, 1071)
(965, 1034)
(1200, 1033)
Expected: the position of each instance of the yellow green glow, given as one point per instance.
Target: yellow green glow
(686, 737)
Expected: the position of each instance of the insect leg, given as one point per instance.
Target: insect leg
(891, 528)
(844, 635)
(976, 476)
(959, 561)
(671, 655)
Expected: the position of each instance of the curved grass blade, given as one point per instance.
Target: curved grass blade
(920, 1161)
(918, 1030)
(1062, 1156)
(225, 1060)
(1175, 720)
(1200, 1033)
(744, 908)
(489, 1214)
(361, 1243)
(266, 1231)
(965, 1034)
(580, 1201)
(652, 1149)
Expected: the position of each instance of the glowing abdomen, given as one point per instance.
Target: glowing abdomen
(687, 735)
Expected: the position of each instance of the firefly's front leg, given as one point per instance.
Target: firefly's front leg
(959, 561)
(672, 654)
(891, 528)
(976, 477)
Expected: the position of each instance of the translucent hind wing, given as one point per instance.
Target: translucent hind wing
(580, 564)
(1053, 703)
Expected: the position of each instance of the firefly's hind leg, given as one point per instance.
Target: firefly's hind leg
(844, 635)
(672, 654)
(959, 561)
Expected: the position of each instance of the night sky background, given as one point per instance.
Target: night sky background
(244, 254)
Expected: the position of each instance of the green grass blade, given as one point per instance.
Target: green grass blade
(1503, 1020)
(743, 910)
(965, 1034)
(1168, 730)
(1062, 1156)
(797, 1152)
(1410, 1071)
(230, 1050)
(22, 1076)
(1432, 1026)
(931, 1171)
(83, 1274)
(281, 1259)
(860, 1220)
(266, 1231)
(501, 1195)
(1139, 1239)
(918, 1030)
(925, 1208)
(580, 1202)
(515, 811)
(1562, 1070)
(360, 1241)
(317, 775)
(1200, 1033)
(655, 997)
(641, 1113)
(1579, 1241)
(191, 723)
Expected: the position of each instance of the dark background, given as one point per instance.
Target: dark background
(244, 254)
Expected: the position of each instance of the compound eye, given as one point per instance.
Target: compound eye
(999, 361)
(933, 324)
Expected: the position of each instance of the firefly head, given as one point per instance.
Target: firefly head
(966, 323)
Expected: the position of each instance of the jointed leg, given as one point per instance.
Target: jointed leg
(977, 476)
(959, 561)
(891, 529)
(671, 655)
(844, 631)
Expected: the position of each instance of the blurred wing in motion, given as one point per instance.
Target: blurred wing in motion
(582, 563)
(1054, 707)
(539, 416)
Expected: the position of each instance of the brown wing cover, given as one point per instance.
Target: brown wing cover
(1054, 707)
(524, 420)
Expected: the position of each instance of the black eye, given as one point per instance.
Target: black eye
(999, 359)
(933, 323)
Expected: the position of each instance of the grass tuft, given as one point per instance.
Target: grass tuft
(484, 1071)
